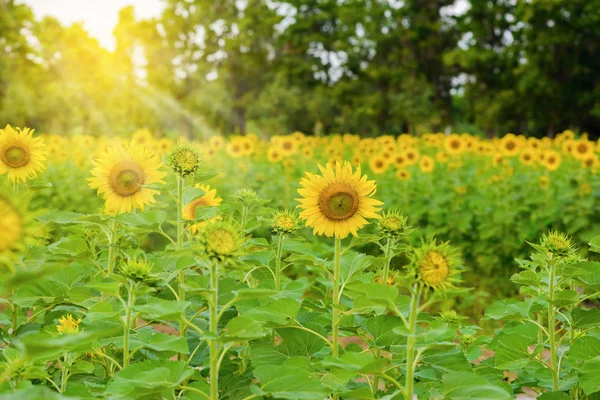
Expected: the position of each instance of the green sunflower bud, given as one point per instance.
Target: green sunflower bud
(394, 225)
(285, 222)
(222, 240)
(137, 270)
(184, 160)
(558, 244)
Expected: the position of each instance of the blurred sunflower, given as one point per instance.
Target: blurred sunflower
(216, 142)
(142, 137)
(411, 155)
(528, 157)
(120, 175)
(21, 155)
(591, 161)
(399, 160)
(552, 160)
(337, 202)
(403, 174)
(582, 149)
(235, 148)
(378, 165)
(509, 145)
(274, 154)
(288, 145)
(17, 225)
(426, 164)
(454, 144)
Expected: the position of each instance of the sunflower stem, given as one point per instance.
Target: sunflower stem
(336, 299)
(278, 261)
(112, 242)
(551, 327)
(412, 339)
(130, 304)
(213, 324)
(15, 318)
(179, 246)
(388, 259)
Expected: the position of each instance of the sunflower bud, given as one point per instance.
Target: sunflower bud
(222, 240)
(394, 225)
(285, 222)
(68, 325)
(436, 266)
(137, 270)
(247, 197)
(450, 317)
(184, 160)
(558, 244)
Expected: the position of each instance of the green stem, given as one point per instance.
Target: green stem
(179, 246)
(213, 324)
(130, 304)
(551, 327)
(64, 372)
(278, 262)
(336, 299)
(112, 242)
(15, 318)
(412, 339)
(388, 259)
(376, 377)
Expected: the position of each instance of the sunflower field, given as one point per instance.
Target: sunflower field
(299, 267)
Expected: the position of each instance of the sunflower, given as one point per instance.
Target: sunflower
(378, 164)
(221, 240)
(435, 265)
(21, 155)
(142, 137)
(441, 157)
(528, 157)
(274, 154)
(120, 175)
(403, 174)
(590, 161)
(544, 181)
(399, 160)
(510, 145)
(552, 160)
(235, 148)
(216, 142)
(426, 164)
(288, 145)
(412, 155)
(208, 199)
(17, 225)
(581, 149)
(337, 202)
(68, 325)
(454, 144)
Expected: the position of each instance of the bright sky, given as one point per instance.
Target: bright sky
(98, 16)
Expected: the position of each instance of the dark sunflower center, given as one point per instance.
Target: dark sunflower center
(15, 156)
(338, 201)
(287, 145)
(510, 145)
(582, 148)
(455, 144)
(126, 178)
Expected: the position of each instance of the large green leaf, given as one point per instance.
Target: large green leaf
(586, 318)
(147, 378)
(468, 386)
(159, 309)
(276, 312)
(289, 382)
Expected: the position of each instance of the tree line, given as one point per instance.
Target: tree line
(317, 66)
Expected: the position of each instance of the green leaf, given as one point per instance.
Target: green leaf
(372, 294)
(509, 309)
(450, 361)
(588, 376)
(149, 218)
(353, 264)
(512, 352)
(586, 318)
(595, 244)
(527, 277)
(159, 309)
(585, 348)
(69, 245)
(243, 328)
(468, 386)
(381, 328)
(565, 298)
(157, 341)
(297, 342)
(147, 378)
(360, 363)
(61, 217)
(279, 311)
(246, 294)
(192, 193)
(554, 396)
(289, 382)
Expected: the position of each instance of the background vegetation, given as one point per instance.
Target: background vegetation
(322, 66)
